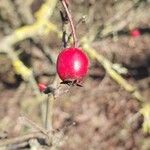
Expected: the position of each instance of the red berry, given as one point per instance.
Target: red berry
(135, 33)
(72, 64)
(42, 87)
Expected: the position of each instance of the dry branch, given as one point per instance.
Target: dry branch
(40, 27)
(21, 139)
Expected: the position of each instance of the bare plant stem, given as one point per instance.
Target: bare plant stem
(23, 138)
(71, 22)
(46, 113)
(51, 106)
(23, 118)
(49, 112)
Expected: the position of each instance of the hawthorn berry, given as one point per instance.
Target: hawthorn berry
(42, 87)
(72, 65)
(135, 33)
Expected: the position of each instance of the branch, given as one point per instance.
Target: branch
(20, 139)
(71, 22)
(40, 27)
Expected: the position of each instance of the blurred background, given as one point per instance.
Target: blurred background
(101, 115)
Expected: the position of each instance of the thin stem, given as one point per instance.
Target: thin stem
(51, 106)
(23, 118)
(77, 25)
(49, 112)
(20, 139)
(71, 23)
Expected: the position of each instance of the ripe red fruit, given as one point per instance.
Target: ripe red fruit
(135, 33)
(72, 64)
(42, 87)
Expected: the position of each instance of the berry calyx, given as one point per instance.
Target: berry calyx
(41, 87)
(72, 65)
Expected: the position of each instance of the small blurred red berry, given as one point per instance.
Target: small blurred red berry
(135, 33)
(72, 64)
(42, 87)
